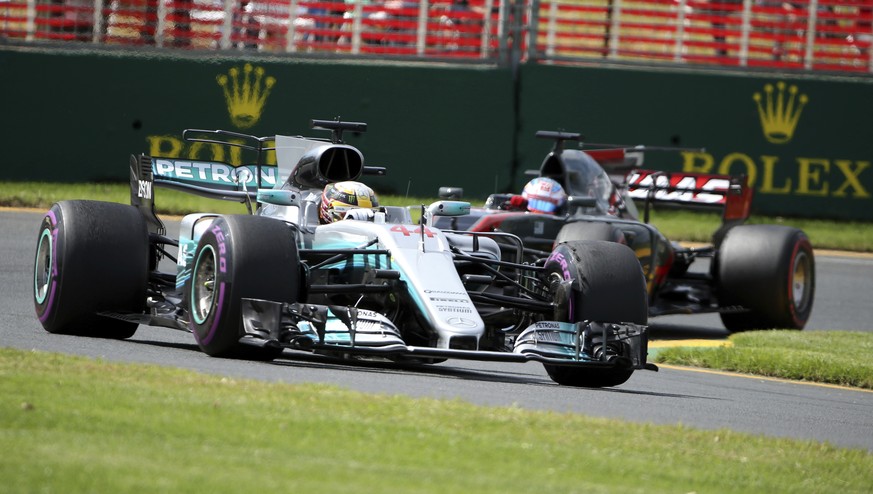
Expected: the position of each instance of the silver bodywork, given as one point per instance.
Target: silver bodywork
(377, 284)
(425, 265)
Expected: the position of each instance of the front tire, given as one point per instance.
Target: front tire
(769, 270)
(240, 257)
(590, 230)
(91, 257)
(608, 286)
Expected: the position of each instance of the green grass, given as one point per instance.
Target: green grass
(839, 235)
(676, 225)
(171, 202)
(71, 424)
(693, 226)
(689, 226)
(834, 357)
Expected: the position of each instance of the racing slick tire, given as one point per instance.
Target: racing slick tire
(240, 256)
(92, 257)
(769, 270)
(590, 230)
(609, 286)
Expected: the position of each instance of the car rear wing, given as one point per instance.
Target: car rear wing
(691, 190)
(619, 160)
(218, 179)
(214, 179)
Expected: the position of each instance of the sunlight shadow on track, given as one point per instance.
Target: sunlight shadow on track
(166, 344)
(446, 372)
(443, 371)
(667, 331)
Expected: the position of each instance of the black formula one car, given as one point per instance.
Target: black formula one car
(760, 276)
(373, 285)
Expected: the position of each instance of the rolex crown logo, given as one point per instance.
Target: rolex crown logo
(245, 98)
(779, 115)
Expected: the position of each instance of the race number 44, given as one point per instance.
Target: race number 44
(417, 231)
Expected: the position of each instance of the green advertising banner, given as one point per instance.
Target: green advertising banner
(805, 143)
(74, 116)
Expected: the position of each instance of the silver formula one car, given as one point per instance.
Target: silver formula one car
(375, 285)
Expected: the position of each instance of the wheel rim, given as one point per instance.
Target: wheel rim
(42, 275)
(800, 281)
(203, 285)
(563, 303)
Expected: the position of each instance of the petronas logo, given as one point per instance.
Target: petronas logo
(245, 94)
(779, 112)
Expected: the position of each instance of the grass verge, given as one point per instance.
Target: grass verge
(71, 424)
(833, 357)
(676, 225)
(42, 195)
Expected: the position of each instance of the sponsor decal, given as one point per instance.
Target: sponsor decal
(222, 248)
(369, 313)
(779, 110)
(460, 322)
(451, 300)
(458, 310)
(246, 90)
(213, 173)
(445, 292)
(639, 182)
(245, 94)
(547, 325)
(562, 261)
(778, 115)
(808, 176)
(171, 146)
(144, 190)
(547, 336)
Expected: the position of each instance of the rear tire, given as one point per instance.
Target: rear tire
(608, 286)
(91, 257)
(240, 257)
(770, 270)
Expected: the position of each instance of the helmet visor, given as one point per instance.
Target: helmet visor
(540, 205)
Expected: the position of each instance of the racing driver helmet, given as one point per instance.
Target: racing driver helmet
(339, 198)
(544, 195)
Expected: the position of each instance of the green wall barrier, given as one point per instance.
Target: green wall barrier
(805, 142)
(74, 116)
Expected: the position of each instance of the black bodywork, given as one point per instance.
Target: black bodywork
(614, 216)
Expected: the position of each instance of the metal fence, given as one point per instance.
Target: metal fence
(812, 35)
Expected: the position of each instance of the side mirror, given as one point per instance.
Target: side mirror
(581, 202)
(449, 208)
(279, 197)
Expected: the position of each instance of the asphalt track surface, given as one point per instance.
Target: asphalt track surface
(700, 399)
